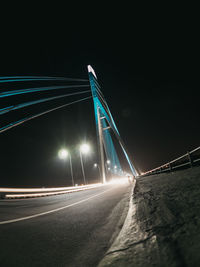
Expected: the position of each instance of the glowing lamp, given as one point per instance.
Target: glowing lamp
(84, 148)
(63, 153)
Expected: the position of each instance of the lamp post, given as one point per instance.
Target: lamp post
(84, 149)
(107, 164)
(97, 166)
(63, 154)
(115, 169)
(70, 160)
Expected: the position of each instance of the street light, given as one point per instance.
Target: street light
(84, 149)
(97, 166)
(63, 154)
(108, 161)
(115, 168)
(107, 165)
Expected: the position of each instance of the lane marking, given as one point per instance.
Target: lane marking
(52, 211)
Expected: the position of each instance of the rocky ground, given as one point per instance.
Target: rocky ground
(163, 223)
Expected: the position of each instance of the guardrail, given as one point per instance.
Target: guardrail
(6, 193)
(190, 159)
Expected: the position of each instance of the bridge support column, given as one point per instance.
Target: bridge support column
(102, 167)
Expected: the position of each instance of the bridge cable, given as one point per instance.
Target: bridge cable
(26, 104)
(38, 89)
(8, 79)
(16, 123)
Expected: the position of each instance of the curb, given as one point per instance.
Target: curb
(120, 240)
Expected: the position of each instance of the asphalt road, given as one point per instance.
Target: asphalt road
(66, 230)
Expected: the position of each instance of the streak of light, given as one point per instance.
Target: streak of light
(52, 189)
(54, 210)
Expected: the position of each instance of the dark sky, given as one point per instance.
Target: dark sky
(147, 62)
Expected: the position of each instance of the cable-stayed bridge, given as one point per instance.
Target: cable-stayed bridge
(83, 90)
(70, 226)
(74, 226)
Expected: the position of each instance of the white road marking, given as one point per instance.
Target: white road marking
(54, 210)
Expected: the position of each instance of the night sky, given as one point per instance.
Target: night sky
(147, 65)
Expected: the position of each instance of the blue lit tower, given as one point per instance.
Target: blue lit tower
(104, 124)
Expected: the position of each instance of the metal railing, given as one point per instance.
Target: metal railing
(190, 159)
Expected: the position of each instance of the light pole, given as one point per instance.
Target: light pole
(63, 154)
(70, 160)
(107, 164)
(108, 161)
(115, 168)
(84, 149)
(97, 166)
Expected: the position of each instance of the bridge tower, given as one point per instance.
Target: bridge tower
(104, 125)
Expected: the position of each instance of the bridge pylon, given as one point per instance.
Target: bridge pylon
(105, 123)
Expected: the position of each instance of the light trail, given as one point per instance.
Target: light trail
(53, 191)
(37, 190)
(54, 210)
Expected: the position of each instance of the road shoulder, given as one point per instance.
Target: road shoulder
(162, 225)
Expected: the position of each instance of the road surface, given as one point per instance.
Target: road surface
(65, 230)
